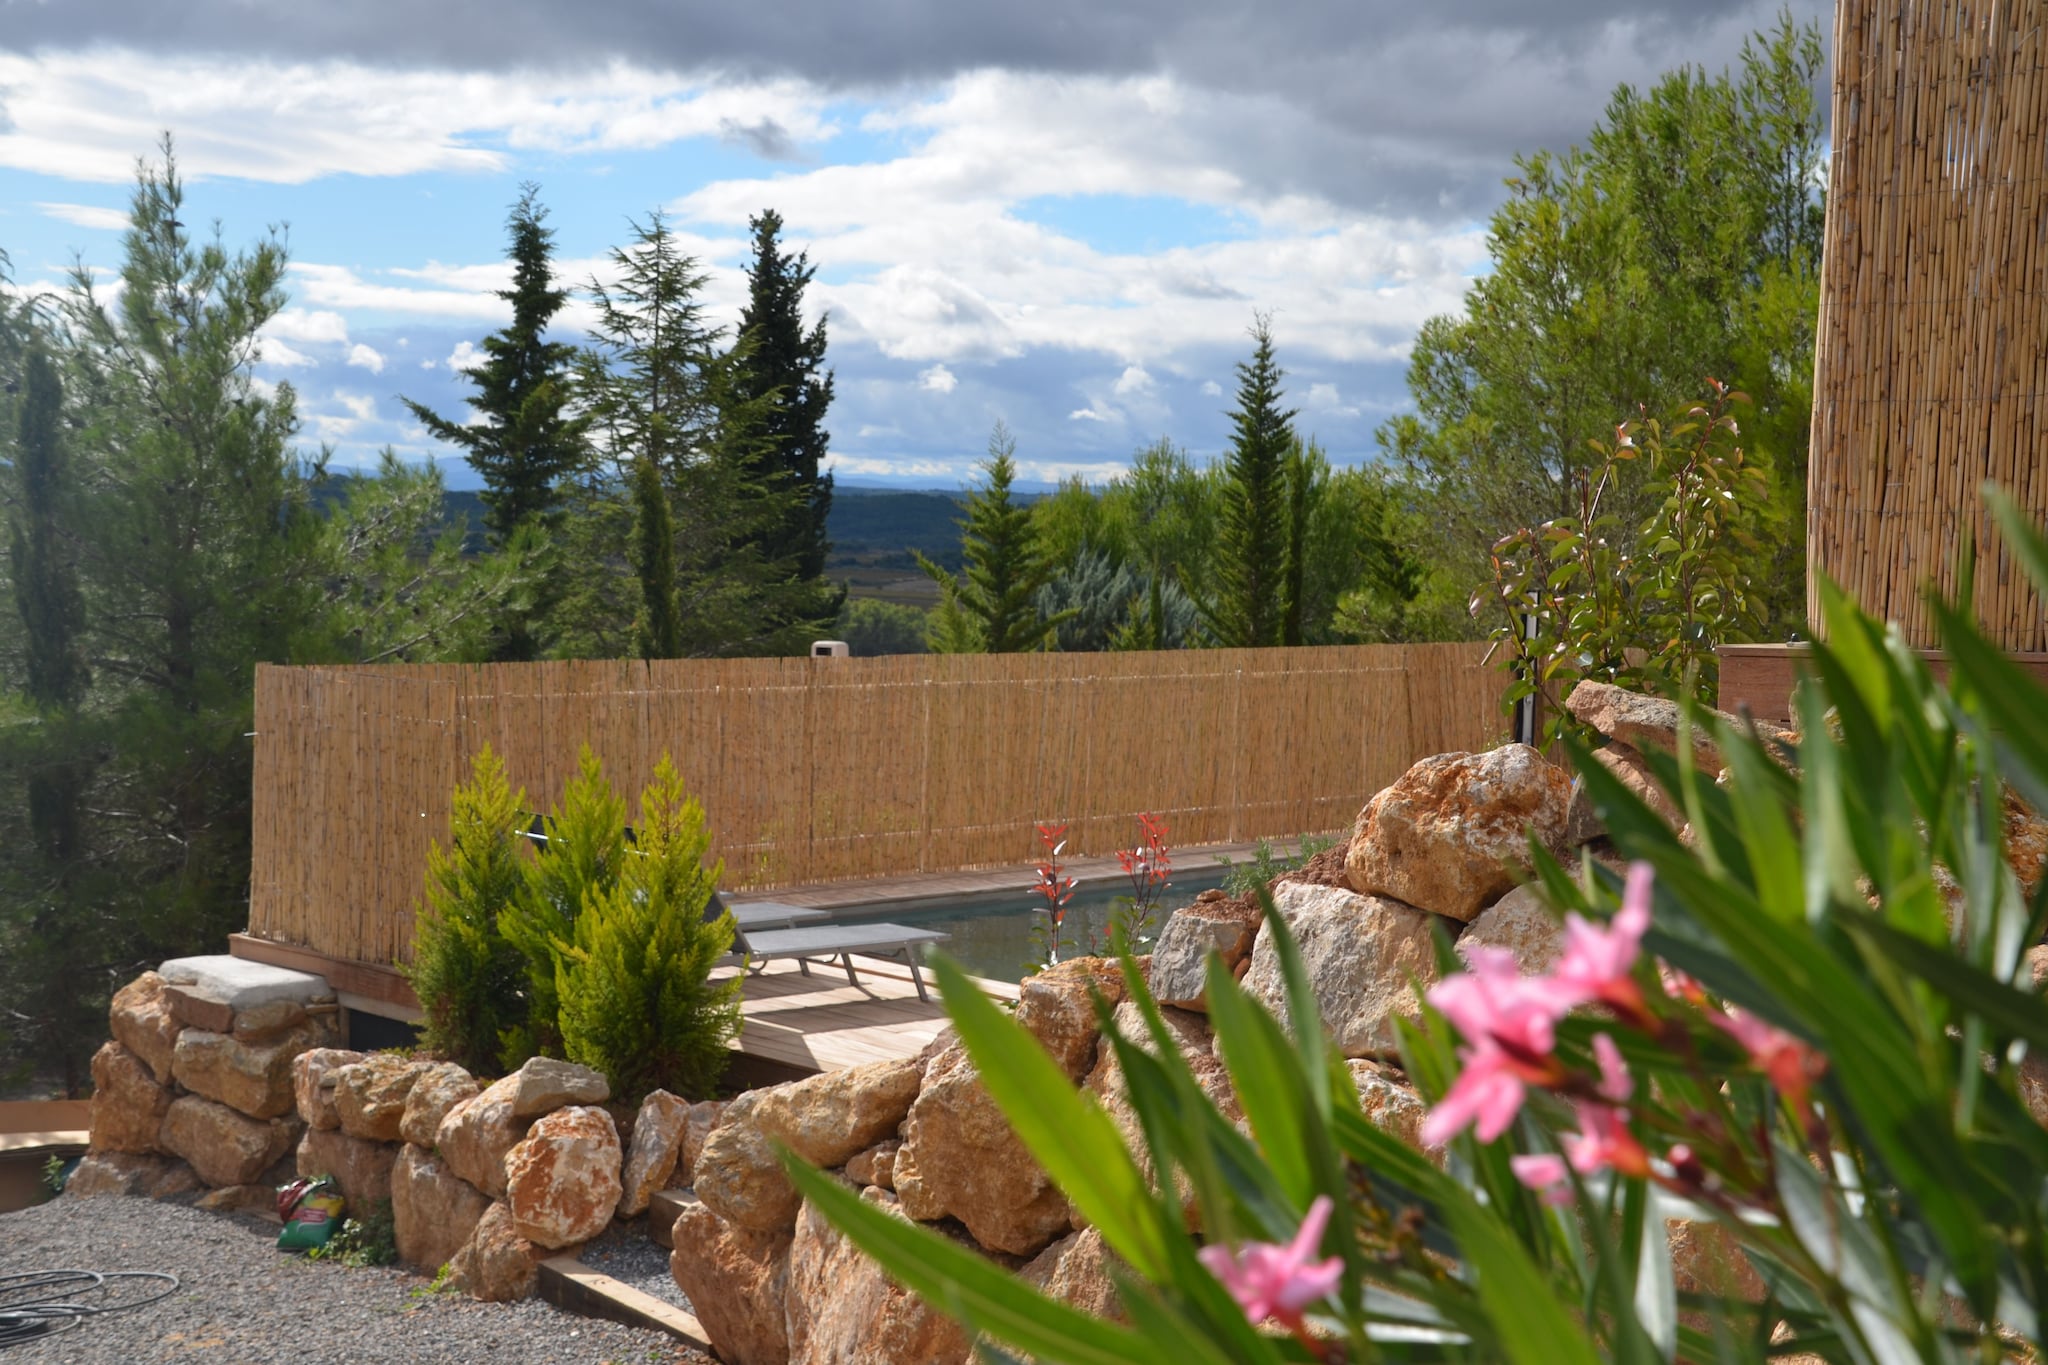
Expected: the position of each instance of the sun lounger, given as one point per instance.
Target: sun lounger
(825, 942)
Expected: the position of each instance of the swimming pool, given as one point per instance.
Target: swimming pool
(992, 932)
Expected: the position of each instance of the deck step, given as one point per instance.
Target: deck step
(574, 1287)
(661, 1217)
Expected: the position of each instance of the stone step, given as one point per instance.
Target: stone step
(573, 1287)
(661, 1216)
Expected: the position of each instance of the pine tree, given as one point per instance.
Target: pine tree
(992, 601)
(526, 441)
(1301, 489)
(784, 366)
(1248, 607)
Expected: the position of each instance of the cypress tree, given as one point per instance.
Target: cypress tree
(992, 601)
(659, 630)
(527, 442)
(1248, 607)
(784, 365)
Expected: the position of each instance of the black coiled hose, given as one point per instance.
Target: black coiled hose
(35, 1304)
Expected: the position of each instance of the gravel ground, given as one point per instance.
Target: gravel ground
(627, 1254)
(241, 1299)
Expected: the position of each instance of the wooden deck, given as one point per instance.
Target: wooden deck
(820, 1023)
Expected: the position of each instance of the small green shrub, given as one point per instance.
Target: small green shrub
(369, 1240)
(1248, 876)
(466, 975)
(636, 1001)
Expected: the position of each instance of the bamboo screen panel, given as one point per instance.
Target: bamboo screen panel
(1932, 356)
(828, 769)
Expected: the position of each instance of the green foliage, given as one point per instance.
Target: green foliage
(872, 627)
(659, 629)
(367, 1241)
(1249, 876)
(988, 607)
(1648, 618)
(582, 857)
(633, 980)
(1249, 603)
(465, 972)
(1834, 1085)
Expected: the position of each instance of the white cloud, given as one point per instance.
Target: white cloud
(271, 351)
(1212, 388)
(360, 405)
(466, 355)
(299, 324)
(1091, 414)
(1324, 398)
(1134, 381)
(427, 364)
(87, 216)
(367, 358)
(938, 379)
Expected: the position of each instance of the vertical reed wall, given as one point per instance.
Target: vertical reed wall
(817, 770)
(1932, 356)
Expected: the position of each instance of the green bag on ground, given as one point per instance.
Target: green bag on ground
(311, 1210)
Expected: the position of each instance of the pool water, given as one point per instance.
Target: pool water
(992, 934)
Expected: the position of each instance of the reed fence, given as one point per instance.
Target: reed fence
(816, 770)
(1931, 373)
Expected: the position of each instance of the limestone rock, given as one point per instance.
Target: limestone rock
(969, 1162)
(2037, 966)
(1520, 923)
(361, 1167)
(1706, 1259)
(223, 1146)
(130, 1173)
(128, 1105)
(828, 1117)
(1215, 923)
(255, 1079)
(273, 1019)
(737, 1174)
(1076, 1271)
(562, 1180)
(657, 1142)
(840, 1309)
(242, 984)
(476, 1134)
(256, 1198)
(1055, 1008)
(496, 1264)
(1360, 953)
(1386, 1098)
(876, 1166)
(737, 1281)
(143, 1023)
(1194, 1041)
(546, 1084)
(1638, 720)
(1447, 836)
(434, 1092)
(2026, 844)
(703, 1117)
(195, 1009)
(313, 1084)
(370, 1095)
(434, 1212)
(1633, 772)
(907, 1183)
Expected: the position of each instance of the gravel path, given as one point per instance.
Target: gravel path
(627, 1254)
(241, 1299)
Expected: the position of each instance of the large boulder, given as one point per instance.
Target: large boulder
(128, 1105)
(476, 1134)
(963, 1158)
(434, 1212)
(545, 1084)
(828, 1117)
(434, 1092)
(1386, 1098)
(697, 1126)
(1057, 1008)
(1633, 772)
(496, 1264)
(142, 1022)
(1644, 723)
(737, 1282)
(1364, 955)
(2026, 844)
(841, 1309)
(1076, 1271)
(1450, 833)
(738, 1176)
(562, 1180)
(254, 1078)
(1194, 1042)
(1520, 923)
(370, 1095)
(313, 1075)
(361, 1167)
(651, 1157)
(223, 1146)
(133, 1174)
(1215, 923)
(273, 1019)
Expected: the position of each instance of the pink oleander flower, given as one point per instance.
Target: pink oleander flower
(1604, 1141)
(1546, 1173)
(1790, 1065)
(1509, 1022)
(1270, 1281)
(1596, 963)
(1615, 1082)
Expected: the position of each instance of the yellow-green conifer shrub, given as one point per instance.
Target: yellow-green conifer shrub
(633, 981)
(586, 842)
(466, 975)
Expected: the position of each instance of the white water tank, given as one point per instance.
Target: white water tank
(829, 649)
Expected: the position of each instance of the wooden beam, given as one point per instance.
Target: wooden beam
(570, 1285)
(366, 979)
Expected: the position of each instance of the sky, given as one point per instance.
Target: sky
(1060, 215)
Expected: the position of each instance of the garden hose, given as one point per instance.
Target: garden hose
(35, 1304)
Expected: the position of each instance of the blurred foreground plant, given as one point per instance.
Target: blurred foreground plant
(1810, 1026)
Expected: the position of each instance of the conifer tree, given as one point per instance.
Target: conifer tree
(1248, 604)
(526, 441)
(784, 366)
(991, 605)
(659, 631)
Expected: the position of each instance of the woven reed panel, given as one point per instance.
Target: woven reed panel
(1931, 373)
